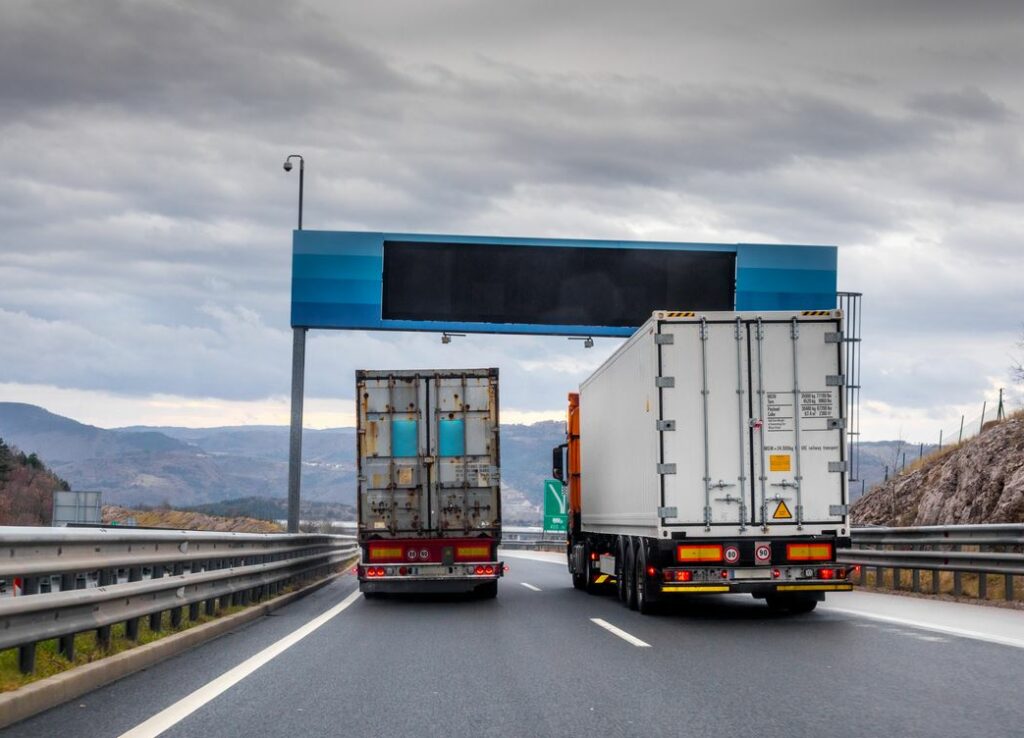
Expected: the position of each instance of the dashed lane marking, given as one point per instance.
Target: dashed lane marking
(530, 587)
(184, 707)
(620, 633)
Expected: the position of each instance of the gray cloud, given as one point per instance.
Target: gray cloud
(146, 222)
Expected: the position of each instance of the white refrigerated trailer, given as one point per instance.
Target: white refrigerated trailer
(707, 455)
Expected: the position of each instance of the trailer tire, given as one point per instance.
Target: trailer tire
(630, 570)
(796, 604)
(644, 600)
(620, 568)
(487, 591)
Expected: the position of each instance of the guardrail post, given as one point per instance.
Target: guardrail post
(107, 577)
(915, 580)
(982, 586)
(131, 626)
(177, 612)
(897, 578)
(156, 619)
(936, 581)
(66, 643)
(1008, 587)
(27, 652)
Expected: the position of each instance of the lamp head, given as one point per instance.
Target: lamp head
(287, 165)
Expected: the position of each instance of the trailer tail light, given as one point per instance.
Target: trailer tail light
(826, 573)
(594, 556)
(379, 571)
(385, 553)
(651, 571)
(678, 575)
(809, 551)
(699, 552)
(776, 573)
(488, 569)
(402, 570)
(840, 573)
(472, 553)
(479, 570)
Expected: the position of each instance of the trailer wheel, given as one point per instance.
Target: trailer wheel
(630, 570)
(487, 591)
(796, 604)
(620, 569)
(644, 600)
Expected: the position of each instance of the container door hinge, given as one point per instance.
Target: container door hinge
(664, 339)
(837, 466)
(835, 380)
(668, 512)
(666, 425)
(664, 382)
(836, 423)
(666, 468)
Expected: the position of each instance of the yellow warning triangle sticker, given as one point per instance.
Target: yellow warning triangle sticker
(782, 512)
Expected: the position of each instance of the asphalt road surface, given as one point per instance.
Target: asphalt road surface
(545, 660)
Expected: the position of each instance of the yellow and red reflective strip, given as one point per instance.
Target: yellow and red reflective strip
(699, 552)
(809, 551)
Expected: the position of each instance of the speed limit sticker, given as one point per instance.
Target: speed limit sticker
(762, 552)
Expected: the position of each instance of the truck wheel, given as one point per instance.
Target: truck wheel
(620, 569)
(644, 600)
(795, 604)
(579, 581)
(487, 591)
(630, 570)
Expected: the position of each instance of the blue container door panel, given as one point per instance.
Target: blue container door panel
(452, 437)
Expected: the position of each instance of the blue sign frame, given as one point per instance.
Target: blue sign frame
(337, 280)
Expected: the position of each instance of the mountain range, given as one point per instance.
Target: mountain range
(241, 465)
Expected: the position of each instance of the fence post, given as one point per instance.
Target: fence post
(940, 439)
(961, 438)
(982, 423)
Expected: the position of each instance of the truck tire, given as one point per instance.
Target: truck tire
(796, 604)
(620, 569)
(579, 581)
(487, 591)
(644, 598)
(630, 570)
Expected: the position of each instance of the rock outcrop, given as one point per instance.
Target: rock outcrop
(979, 481)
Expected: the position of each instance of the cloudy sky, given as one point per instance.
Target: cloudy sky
(145, 220)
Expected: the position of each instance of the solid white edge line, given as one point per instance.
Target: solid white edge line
(945, 629)
(530, 586)
(184, 707)
(620, 633)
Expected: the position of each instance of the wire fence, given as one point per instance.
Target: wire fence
(997, 408)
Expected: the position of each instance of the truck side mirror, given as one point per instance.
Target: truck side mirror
(557, 463)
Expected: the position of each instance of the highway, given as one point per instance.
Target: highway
(534, 662)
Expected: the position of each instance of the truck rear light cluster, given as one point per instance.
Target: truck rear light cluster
(484, 570)
(678, 575)
(809, 551)
(372, 571)
(699, 552)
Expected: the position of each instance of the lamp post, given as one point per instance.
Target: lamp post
(302, 173)
(298, 389)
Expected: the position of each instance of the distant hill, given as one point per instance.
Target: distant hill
(276, 508)
(26, 488)
(190, 467)
(978, 481)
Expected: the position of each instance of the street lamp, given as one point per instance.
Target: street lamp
(302, 172)
(588, 341)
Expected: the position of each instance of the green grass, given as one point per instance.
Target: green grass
(87, 650)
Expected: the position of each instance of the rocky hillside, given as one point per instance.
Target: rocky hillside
(185, 520)
(979, 481)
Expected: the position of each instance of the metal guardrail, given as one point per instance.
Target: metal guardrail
(985, 550)
(113, 575)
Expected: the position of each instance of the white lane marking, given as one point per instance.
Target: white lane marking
(945, 629)
(620, 633)
(530, 587)
(184, 707)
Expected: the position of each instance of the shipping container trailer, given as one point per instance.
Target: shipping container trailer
(707, 455)
(429, 497)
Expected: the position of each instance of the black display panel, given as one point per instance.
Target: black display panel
(550, 285)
